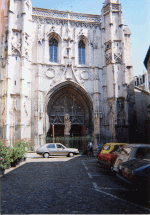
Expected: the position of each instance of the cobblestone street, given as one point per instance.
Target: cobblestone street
(66, 186)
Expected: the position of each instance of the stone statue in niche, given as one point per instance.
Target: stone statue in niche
(67, 123)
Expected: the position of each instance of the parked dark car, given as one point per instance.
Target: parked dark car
(135, 172)
(130, 152)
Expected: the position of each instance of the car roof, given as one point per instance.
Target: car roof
(115, 143)
(137, 145)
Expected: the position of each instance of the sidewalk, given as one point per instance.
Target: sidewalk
(33, 157)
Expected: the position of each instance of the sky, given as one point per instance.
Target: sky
(136, 15)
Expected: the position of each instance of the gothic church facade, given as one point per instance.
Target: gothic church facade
(60, 62)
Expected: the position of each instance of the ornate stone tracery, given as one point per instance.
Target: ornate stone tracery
(16, 49)
(108, 45)
(118, 58)
(64, 22)
(115, 7)
(94, 45)
(96, 76)
(41, 37)
(108, 58)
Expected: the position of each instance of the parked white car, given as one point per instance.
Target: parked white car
(56, 149)
(129, 152)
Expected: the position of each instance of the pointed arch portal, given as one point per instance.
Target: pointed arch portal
(69, 98)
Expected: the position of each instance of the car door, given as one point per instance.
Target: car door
(52, 149)
(61, 150)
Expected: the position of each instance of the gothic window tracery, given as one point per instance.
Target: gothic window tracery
(53, 50)
(81, 49)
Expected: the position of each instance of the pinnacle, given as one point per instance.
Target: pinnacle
(111, 1)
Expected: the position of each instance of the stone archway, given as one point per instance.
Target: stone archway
(69, 98)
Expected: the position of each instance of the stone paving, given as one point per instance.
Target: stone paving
(64, 185)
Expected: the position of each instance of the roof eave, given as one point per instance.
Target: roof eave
(147, 57)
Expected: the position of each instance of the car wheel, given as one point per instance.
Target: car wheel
(71, 154)
(46, 155)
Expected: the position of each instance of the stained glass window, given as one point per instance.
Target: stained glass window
(53, 49)
(81, 48)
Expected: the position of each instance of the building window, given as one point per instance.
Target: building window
(17, 16)
(81, 48)
(143, 76)
(137, 81)
(53, 49)
(16, 58)
(15, 82)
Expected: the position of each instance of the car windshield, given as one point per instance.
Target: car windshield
(107, 147)
(116, 148)
(125, 151)
(118, 151)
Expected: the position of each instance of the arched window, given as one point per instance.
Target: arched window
(81, 48)
(53, 49)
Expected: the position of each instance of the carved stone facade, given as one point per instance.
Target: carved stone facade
(40, 82)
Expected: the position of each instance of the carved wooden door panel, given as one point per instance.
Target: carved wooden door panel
(66, 104)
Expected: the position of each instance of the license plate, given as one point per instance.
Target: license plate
(125, 174)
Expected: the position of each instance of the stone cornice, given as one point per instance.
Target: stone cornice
(65, 14)
(74, 66)
(47, 16)
(60, 21)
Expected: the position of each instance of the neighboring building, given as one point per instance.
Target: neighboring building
(147, 64)
(141, 81)
(142, 101)
(60, 62)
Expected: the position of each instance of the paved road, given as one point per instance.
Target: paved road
(66, 186)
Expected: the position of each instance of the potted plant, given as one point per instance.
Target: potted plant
(5, 153)
(20, 149)
(15, 156)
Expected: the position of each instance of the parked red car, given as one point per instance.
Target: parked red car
(108, 154)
